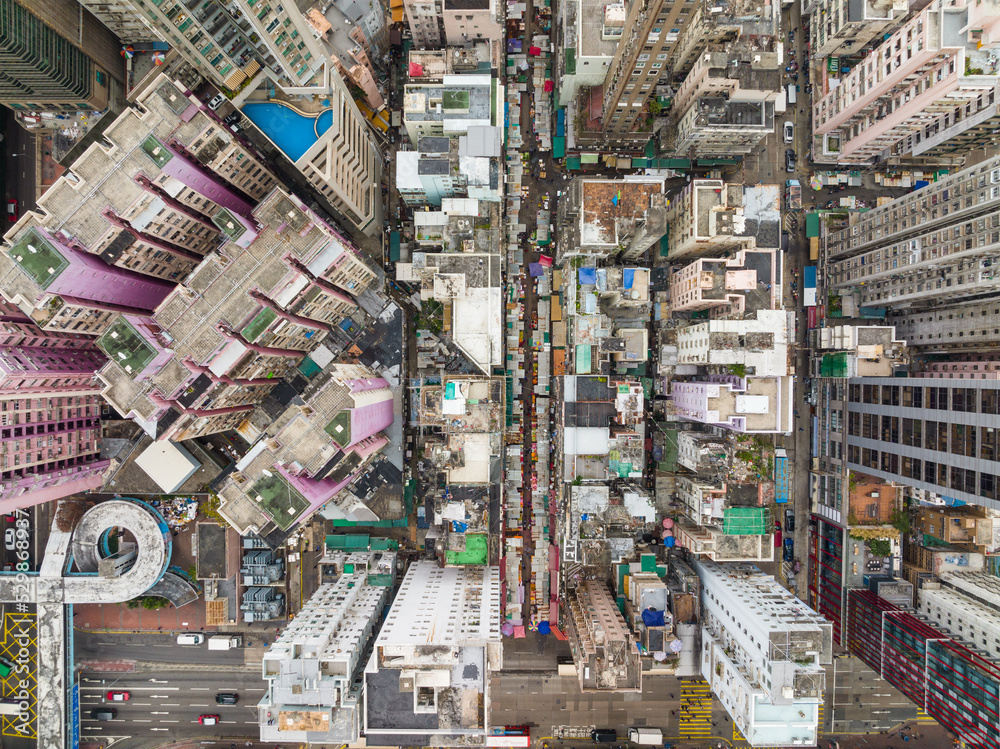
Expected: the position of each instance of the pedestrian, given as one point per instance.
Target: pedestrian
(671, 696)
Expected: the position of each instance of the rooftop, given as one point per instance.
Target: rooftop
(451, 100)
(38, 258)
(611, 208)
(126, 348)
(279, 499)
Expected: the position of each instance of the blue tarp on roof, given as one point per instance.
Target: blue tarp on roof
(535, 269)
(652, 618)
(588, 275)
(629, 276)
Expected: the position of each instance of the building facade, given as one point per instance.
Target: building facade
(603, 648)
(929, 667)
(935, 435)
(46, 66)
(924, 84)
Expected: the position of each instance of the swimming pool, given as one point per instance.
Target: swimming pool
(290, 131)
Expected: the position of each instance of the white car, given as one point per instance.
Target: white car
(9, 538)
(789, 131)
(216, 101)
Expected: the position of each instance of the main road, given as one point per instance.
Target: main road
(165, 706)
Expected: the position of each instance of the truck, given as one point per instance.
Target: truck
(10, 706)
(793, 195)
(224, 642)
(646, 736)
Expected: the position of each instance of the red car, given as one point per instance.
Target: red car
(208, 720)
(119, 696)
(12, 209)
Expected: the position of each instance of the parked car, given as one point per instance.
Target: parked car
(216, 101)
(777, 538)
(789, 131)
(789, 161)
(232, 118)
(12, 209)
(9, 538)
(208, 720)
(789, 551)
(789, 520)
(119, 696)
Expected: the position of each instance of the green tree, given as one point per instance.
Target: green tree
(880, 547)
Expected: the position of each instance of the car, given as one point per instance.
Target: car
(232, 118)
(216, 101)
(208, 720)
(789, 161)
(103, 713)
(789, 520)
(227, 698)
(9, 538)
(12, 209)
(788, 554)
(789, 131)
(777, 538)
(119, 696)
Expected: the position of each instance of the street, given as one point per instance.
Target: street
(165, 705)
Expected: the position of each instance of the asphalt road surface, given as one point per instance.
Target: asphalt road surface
(165, 706)
(153, 647)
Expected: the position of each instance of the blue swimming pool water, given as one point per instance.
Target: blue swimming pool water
(292, 132)
(324, 121)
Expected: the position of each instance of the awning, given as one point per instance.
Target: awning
(234, 80)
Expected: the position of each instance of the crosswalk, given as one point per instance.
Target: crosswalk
(695, 713)
(820, 730)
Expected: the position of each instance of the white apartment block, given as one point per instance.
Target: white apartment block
(935, 246)
(313, 669)
(760, 344)
(467, 21)
(962, 327)
(427, 682)
(590, 30)
(763, 652)
(966, 604)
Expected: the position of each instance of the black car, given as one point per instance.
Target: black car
(789, 520)
(789, 161)
(232, 118)
(227, 698)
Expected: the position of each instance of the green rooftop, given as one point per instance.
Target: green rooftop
(259, 324)
(228, 224)
(126, 348)
(475, 551)
(156, 151)
(38, 258)
(339, 428)
(279, 499)
(745, 521)
(455, 100)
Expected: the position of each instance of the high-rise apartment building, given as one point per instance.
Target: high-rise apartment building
(952, 682)
(133, 215)
(124, 20)
(838, 27)
(719, 24)
(428, 680)
(926, 84)
(47, 65)
(725, 106)
(763, 652)
(935, 435)
(646, 39)
(708, 217)
(313, 669)
(932, 247)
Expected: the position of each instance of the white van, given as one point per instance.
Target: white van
(791, 93)
(645, 736)
(193, 639)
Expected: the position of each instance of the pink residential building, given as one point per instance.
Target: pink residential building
(753, 405)
(30, 369)
(723, 284)
(933, 79)
(974, 368)
(68, 289)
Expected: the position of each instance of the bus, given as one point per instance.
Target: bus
(518, 736)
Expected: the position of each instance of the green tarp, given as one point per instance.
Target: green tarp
(394, 246)
(745, 521)
(559, 147)
(573, 163)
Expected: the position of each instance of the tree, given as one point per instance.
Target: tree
(880, 547)
(900, 520)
